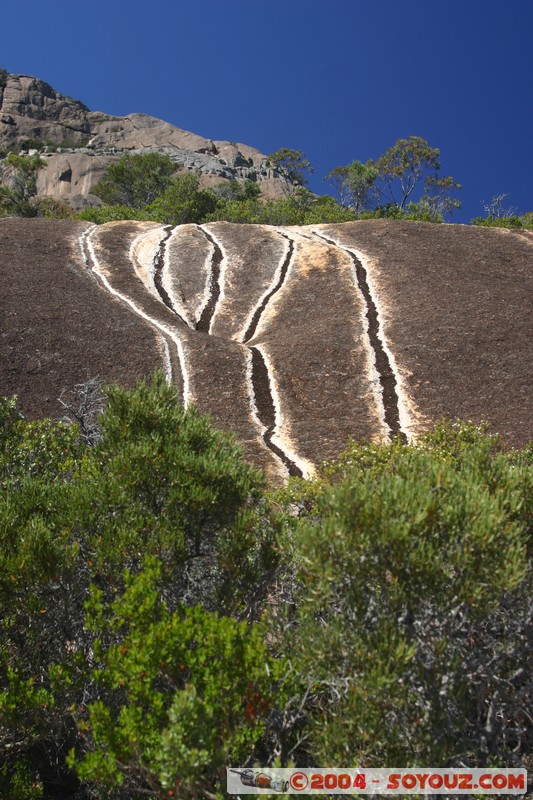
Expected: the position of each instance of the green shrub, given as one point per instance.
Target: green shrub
(230, 191)
(162, 617)
(135, 180)
(292, 165)
(20, 185)
(301, 207)
(411, 614)
(498, 222)
(31, 144)
(184, 693)
(420, 211)
(50, 208)
(182, 202)
(499, 215)
(34, 449)
(160, 483)
(325, 209)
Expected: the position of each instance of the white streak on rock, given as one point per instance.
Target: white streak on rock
(143, 254)
(91, 260)
(405, 405)
(274, 282)
(177, 305)
(166, 360)
(283, 440)
(82, 241)
(207, 291)
(371, 368)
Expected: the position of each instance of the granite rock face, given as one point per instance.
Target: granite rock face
(80, 143)
(32, 109)
(295, 338)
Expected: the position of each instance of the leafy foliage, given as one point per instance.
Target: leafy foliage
(183, 693)
(301, 207)
(162, 616)
(409, 166)
(180, 199)
(182, 202)
(413, 603)
(236, 191)
(355, 185)
(527, 220)
(407, 162)
(48, 145)
(159, 483)
(135, 180)
(411, 162)
(112, 213)
(50, 208)
(498, 222)
(292, 164)
(500, 217)
(19, 176)
(143, 187)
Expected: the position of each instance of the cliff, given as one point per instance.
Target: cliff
(78, 143)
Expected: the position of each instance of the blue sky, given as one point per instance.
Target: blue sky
(338, 79)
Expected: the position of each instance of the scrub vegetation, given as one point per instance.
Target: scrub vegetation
(164, 614)
(384, 189)
(404, 183)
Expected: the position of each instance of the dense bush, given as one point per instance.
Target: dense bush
(527, 220)
(135, 180)
(180, 199)
(161, 495)
(419, 212)
(499, 215)
(411, 617)
(50, 208)
(182, 693)
(19, 178)
(163, 616)
(301, 207)
(182, 202)
(147, 187)
(512, 221)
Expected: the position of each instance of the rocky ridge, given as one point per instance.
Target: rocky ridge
(80, 143)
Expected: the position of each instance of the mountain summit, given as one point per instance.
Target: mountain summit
(77, 144)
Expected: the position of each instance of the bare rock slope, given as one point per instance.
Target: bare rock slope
(82, 143)
(294, 338)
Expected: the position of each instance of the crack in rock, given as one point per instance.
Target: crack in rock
(260, 380)
(207, 314)
(266, 409)
(252, 327)
(91, 263)
(387, 378)
(159, 262)
(260, 376)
